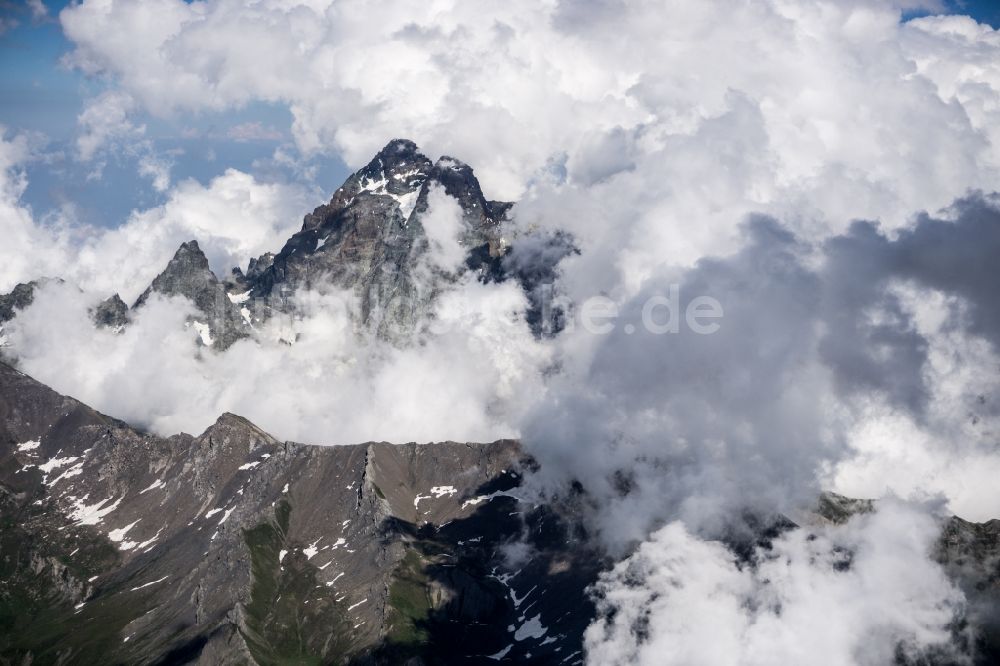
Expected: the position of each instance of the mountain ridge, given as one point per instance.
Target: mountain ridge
(236, 521)
(216, 548)
(368, 239)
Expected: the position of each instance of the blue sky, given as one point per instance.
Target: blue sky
(39, 95)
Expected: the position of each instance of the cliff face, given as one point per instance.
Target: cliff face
(371, 238)
(232, 546)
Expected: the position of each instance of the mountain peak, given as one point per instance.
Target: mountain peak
(187, 274)
(449, 162)
(190, 253)
(398, 148)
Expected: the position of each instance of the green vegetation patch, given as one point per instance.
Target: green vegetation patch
(291, 616)
(410, 600)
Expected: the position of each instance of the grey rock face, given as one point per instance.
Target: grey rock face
(370, 238)
(19, 298)
(188, 275)
(111, 313)
(970, 553)
(234, 547)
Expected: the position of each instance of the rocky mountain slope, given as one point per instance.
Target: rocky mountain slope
(234, 547)
(371, 237)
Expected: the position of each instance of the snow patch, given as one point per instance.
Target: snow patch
(30, 445)
(533, 628)
(83, 514)
(75, 470)
(153, 486)
(486, 498)
(118, 535)
(52, 464)
(150, 583)
(407, 202)
(437, 492)
(204, 332)
(501, 654)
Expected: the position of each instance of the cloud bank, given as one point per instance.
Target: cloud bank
(723, 149)
(860, 594)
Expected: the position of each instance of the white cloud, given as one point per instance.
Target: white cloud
(234, 217)
(29, 250)
(949, 450)
(106, 129)
(157, 170)
(443, 225)
(510, 87)
(846, 596)
(470, 382)
(105, 119)
(38, 9)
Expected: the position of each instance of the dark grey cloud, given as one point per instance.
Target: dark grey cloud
(697, 426)
(871, 341)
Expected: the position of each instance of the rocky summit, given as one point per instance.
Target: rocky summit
(371, 238)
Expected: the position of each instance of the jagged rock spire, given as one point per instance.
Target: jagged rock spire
(187, 274)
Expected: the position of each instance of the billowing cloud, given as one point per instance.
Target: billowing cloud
(106, 118)
(443, 225)
(516, 87)
(855, 362)
(29, 249)
(235, 217)
(471, 381)
(862, 594)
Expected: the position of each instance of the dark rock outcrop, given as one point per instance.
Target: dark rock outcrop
(188, 275)
(370, 238)
(20, 297)
(111, 313)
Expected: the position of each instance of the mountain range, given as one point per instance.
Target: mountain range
(233, 547)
